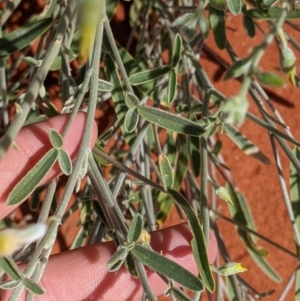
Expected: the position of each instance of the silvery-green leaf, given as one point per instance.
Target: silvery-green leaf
(235, 110)
(238, 68)
(172, 85)
(148, 75)
(170, 121)
(65, 162)
(56, 139)
(32, 179)
(176, 50)
(167, 267)
(230, 268)
(218, 4)
(31, 61)
(33, 286)
(115, 262)
(166, 171)
(131, 120)
(131, 100)
(235, 6)
(223, 194)
(104, 86)
(135, 229)
(23, 36)
(10, 268)
(9, 284)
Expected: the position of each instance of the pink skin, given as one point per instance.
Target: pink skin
(82, 274)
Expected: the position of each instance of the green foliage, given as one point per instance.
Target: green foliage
(161, 129)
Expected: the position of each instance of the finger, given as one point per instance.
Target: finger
(29, 147)
(81, 274)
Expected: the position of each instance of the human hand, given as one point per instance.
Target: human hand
(81, 274)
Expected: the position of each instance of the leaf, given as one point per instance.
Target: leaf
(235, 6)
(115, 262)
(148, 75)
(131, 100)
(131, 120)
(272, 14)
(244, 144)
(118, 96)
(65, 162)
(270, 79)
(230, 268)
(166, 171)
(104, 86)
(10, 268)
(167, 267)
(240, 217)
(197, 243)
(22, 37)
(185, 20)
(31, 61)
(238, 68)
(235, 110)
(32, 179)
(9, 285)
(249, 26)
(194, 154)
(172, 85)
(170, 121)
(135, 229)
(218, 4)
(176, 50)
(33, 286)
(56, 139)
(217, 23)
(98, 158)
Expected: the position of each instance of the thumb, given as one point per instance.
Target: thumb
(30, 146)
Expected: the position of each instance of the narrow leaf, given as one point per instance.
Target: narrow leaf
(218, 4)
(172, 85)
(22, 37)
(131, 100)
(31, 180)
(249, 26)
(167, 267)
(31, 61)
(10, 268)
(270, 79)
(9, 285)
(170, 121)
(131, 120)
(56, 139)
(217, 23)
(98, 158)
(235, 6)
(166, 171)
(176, 50)
(104, 86)
(148, 75)
(272, 14)
(33, 287)
(118, 96)
(238, 68)
(65, 162)
(135, 229)
(244, 144)
(115, 262)
(197, 243)
(194, 154)
(223, 194)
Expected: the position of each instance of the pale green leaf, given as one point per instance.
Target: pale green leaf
(116, 261)
(230, 268)
(172, 85)
(135, 229)
(32, 179)
(56, 139)
(10, 268)
(238, 68)
(177, 47)
(104, 86)
(223, 194)
(131, 120)
(270, 79)
(235, 6)
(148, 75)
(65, 162)
(166, 171)
(33, 287)
(197, 243)
(22, 37)
(131, 100)
(167, 267)
(170, 121)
